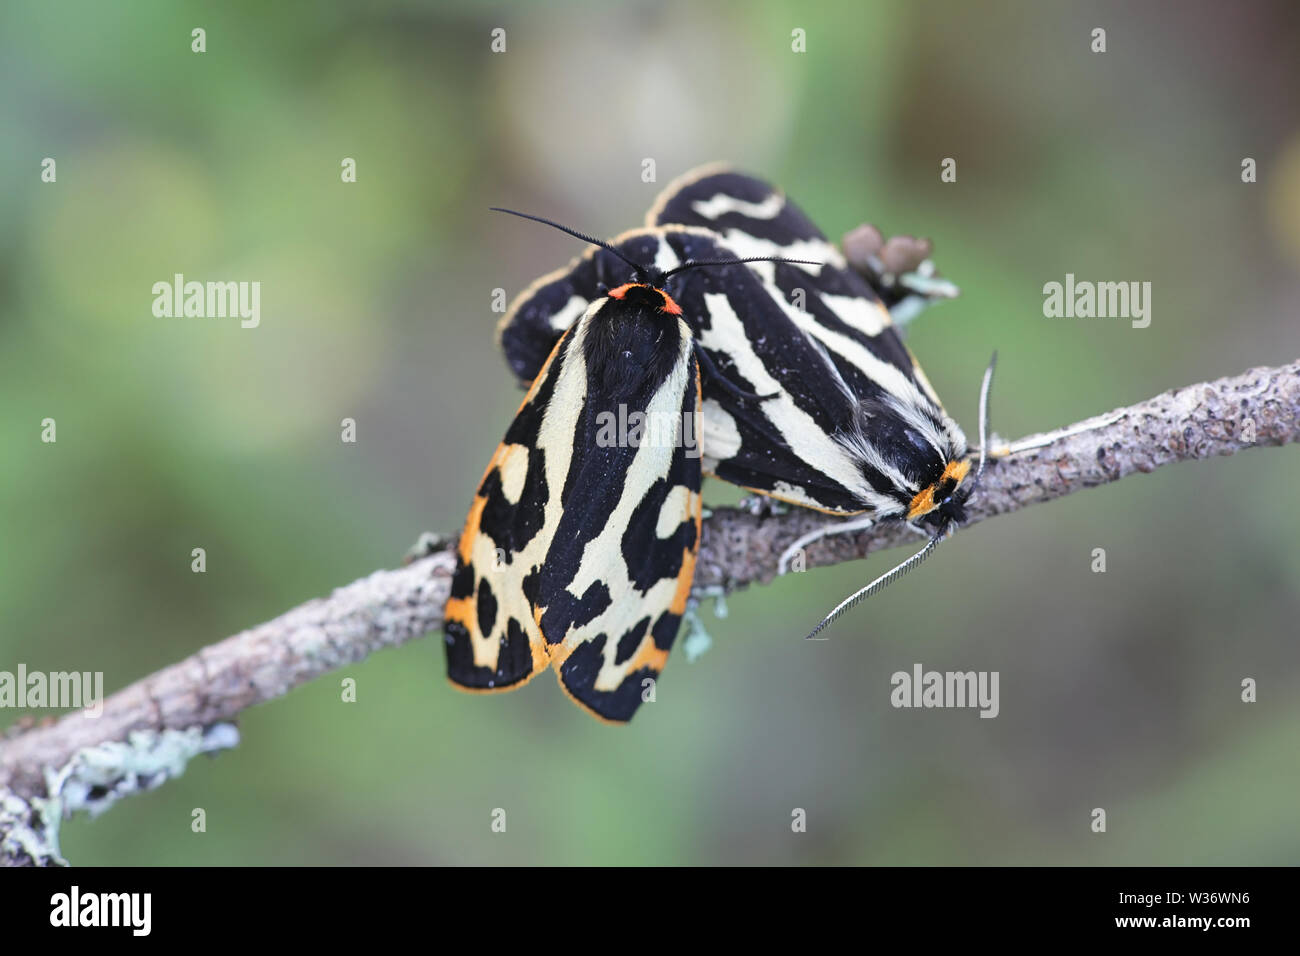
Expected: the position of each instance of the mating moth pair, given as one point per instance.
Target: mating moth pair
(728, 305)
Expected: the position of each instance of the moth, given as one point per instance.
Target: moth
(850, 425)
(580, 544)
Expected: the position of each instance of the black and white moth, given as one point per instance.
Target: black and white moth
(852, 428)
(580, 545)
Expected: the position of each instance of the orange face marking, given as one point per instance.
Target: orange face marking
(924, 502)
(669, 306)
(957, 471)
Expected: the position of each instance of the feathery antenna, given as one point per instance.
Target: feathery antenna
(892, 575)
(882, 582)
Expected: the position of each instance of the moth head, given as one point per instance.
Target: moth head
(936, 509)
(646, 295)
(942, 503)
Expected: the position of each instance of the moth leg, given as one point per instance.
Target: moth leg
(905, 310)
(429, 542)
(1003, 449)
(999, 447)
(763, 506)
(840, 527)
(925, 282)
(711, 370)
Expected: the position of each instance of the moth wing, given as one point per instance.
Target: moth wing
(540, 315)
(722, 200)
(783, 448)
(762, 342)
(790, 442)
(615, 581)
(753, 218)
(493, 641)
(896, 411)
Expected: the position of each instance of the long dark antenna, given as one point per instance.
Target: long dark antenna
(645, 273)
(692, 264)
(641, 270)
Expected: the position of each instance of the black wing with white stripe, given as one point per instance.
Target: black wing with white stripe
(852, 427)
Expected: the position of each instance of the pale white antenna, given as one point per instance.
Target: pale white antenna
(892, 575)
(985, 388)
(886, 579)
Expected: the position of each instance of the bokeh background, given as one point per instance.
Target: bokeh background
(1118, 690)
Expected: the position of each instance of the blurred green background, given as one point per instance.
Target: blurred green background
(1118, 690)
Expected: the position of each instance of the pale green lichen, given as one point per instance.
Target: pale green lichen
(96, 778)
(697, 640)
(26, 830)
(429, 542)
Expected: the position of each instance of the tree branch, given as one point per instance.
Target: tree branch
(147, 731)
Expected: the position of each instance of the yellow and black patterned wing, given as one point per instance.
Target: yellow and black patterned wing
(580, 546)
(493, 642)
